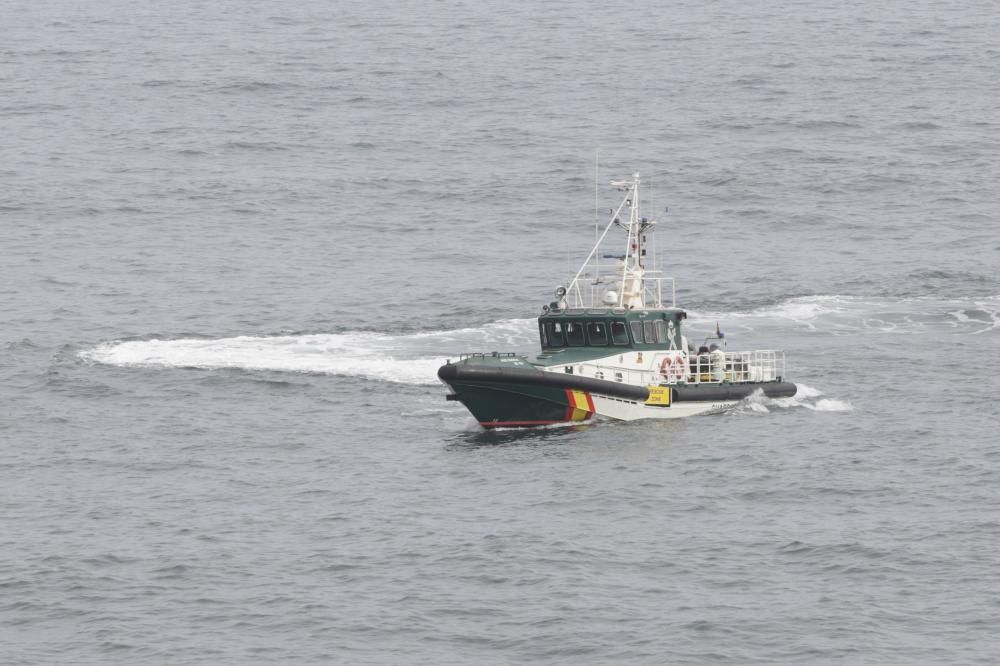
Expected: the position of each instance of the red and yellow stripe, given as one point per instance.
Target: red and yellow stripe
(581, 405)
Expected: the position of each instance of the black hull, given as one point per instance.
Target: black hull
(504, 396)
(453, 373)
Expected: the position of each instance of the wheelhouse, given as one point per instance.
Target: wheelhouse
(617, 328)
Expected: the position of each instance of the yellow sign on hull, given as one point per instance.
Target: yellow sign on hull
(659, 396)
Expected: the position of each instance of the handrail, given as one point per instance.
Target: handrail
(462, 357)
(653, 288)
(762, 365)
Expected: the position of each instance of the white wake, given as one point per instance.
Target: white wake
(405, 359)
(356, 355)
(805, 396)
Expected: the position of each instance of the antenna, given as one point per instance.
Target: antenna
(597, 221)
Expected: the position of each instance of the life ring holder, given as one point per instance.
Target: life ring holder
(680, 367)
(672, 367)
(666, 369)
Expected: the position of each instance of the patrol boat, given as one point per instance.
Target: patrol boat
(612, 347)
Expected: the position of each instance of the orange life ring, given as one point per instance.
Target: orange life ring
(665, 370)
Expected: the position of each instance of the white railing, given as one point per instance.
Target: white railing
(764, 365)
(653, 289)
(652, 293)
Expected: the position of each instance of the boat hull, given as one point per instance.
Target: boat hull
(518, 397)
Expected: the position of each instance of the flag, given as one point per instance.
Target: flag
(718, 333)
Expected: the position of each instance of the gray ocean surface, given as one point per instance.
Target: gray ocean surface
(238, 239)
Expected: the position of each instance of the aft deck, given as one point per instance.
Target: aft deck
(744, 367)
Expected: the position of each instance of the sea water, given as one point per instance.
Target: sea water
(238, 240)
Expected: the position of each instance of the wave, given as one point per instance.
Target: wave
(806, 397)
(838, 314)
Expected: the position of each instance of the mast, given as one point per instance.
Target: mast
(629, 272)
(631, 293)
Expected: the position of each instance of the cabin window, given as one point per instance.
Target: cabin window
(541, 335)
(619, 334)
(554, 332)
(574, 334)
(661, 330)
(636, 330)
(597, 333)
(650, 331)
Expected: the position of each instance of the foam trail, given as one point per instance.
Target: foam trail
(357, 355)
(830, 405)
(405, 359)
(848, 315)
(980, 316)
(804, 397)
(803, 310)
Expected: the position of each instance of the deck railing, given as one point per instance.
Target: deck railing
(763, 365)
(475, 355)
(657, 292)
